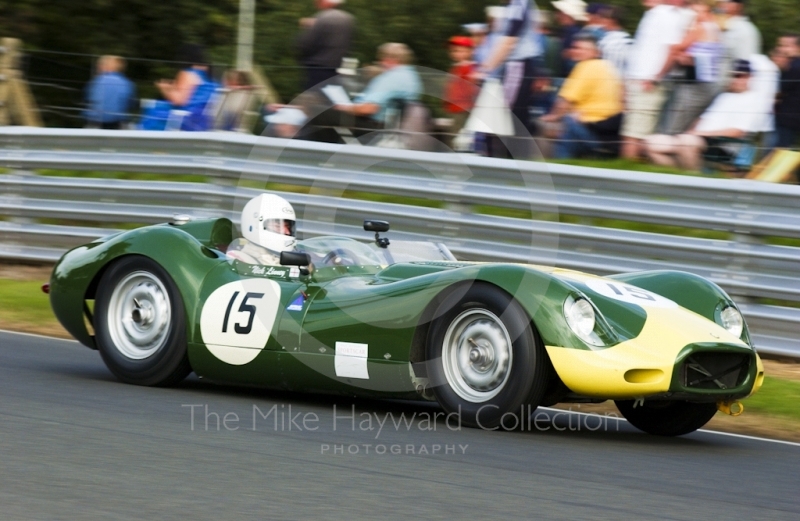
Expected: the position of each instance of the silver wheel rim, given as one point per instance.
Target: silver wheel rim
(477, 355)
(139, 315)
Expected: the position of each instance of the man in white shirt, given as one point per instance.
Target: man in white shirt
(765, 83)
(732, 117)
(663, 25)
(740, 36)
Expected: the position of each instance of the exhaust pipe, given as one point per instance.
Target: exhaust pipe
(734, 408)
(425, 391)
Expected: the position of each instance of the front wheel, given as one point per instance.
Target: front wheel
(140, 323)
(667, 418)
(485, 361)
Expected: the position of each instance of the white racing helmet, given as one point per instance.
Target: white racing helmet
(269, 221)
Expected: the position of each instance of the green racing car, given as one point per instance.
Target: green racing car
(406, 320)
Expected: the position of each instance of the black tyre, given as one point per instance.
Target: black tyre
(140, 323)
(485, 360)
(667, 418)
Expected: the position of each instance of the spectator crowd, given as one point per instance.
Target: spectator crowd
(690, 87)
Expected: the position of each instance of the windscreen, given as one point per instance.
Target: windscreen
(337, 251)
(413, 251)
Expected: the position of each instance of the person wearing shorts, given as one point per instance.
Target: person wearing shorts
(663, 25)
(516, 51)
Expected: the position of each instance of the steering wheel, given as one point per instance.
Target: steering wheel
(339, 257)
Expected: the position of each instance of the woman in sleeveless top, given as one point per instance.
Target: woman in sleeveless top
(701, 53)
(190, 91)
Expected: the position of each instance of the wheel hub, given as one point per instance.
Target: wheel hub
(143, 315)
(139, 315)
(481, 356)
(476, 355)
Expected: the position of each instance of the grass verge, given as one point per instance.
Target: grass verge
(778, 396)
(24, 307)
(627, 164)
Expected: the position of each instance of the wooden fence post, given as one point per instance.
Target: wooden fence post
(17, 105)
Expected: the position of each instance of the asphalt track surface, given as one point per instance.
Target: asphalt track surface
(77, 444)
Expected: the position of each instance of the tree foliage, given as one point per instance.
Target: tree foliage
(149, 33)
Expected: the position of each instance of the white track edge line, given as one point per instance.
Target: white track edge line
(35, 335)
(705, 431)
(748, 437)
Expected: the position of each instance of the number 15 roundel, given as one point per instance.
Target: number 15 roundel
(238, 317)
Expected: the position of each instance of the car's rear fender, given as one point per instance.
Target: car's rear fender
(77, 274)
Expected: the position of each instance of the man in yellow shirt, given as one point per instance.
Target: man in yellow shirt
(589, 103)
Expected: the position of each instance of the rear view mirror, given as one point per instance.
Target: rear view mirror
(376, 226)
(295, 258)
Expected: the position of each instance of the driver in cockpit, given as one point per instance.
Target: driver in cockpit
(268, 228)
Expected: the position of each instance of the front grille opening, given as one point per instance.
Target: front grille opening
(715, 371)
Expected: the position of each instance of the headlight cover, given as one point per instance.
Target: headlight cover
(583, 321)
(731, 319)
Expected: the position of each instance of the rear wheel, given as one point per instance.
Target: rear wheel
(485, 361)
(140, 323)
(667, 418)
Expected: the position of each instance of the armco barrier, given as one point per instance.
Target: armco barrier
(452, 195)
